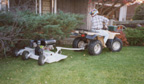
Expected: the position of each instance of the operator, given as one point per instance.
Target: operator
(98, 23)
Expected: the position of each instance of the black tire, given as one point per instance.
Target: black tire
(41, 59)
(38, 51)
(77, 41)
(60, 52)
(95, 47)
(116, 45)
(25, 55)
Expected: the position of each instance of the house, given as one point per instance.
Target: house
(37, 6)
(72, 6)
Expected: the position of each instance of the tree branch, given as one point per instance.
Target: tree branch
(110, 7)
(114, 10)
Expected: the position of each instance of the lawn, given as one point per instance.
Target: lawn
(125, 67)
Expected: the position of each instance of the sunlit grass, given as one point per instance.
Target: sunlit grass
(125, 67)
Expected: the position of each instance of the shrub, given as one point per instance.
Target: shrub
(11, 25)
(26, 25)
(139, 12)
(135, 36)
(122, 36)
(55, 26)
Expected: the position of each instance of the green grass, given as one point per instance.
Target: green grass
(125, 67)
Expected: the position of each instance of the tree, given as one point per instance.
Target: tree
(108, 7)
(139, 12)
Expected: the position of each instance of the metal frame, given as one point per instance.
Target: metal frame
(36, 1)
(40, 7)
(8, 5)
(54, 6)
(50, 56)
(0, 5)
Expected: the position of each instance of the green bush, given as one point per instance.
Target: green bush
(135, 36)
(55, 26)
(46, 26)
(11, 26)
(139, 12)
(27, 25)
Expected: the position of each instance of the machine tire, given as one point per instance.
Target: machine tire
(41, 59)
(25, 55)
(77, 41)
(92, 47)
(116, 45)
